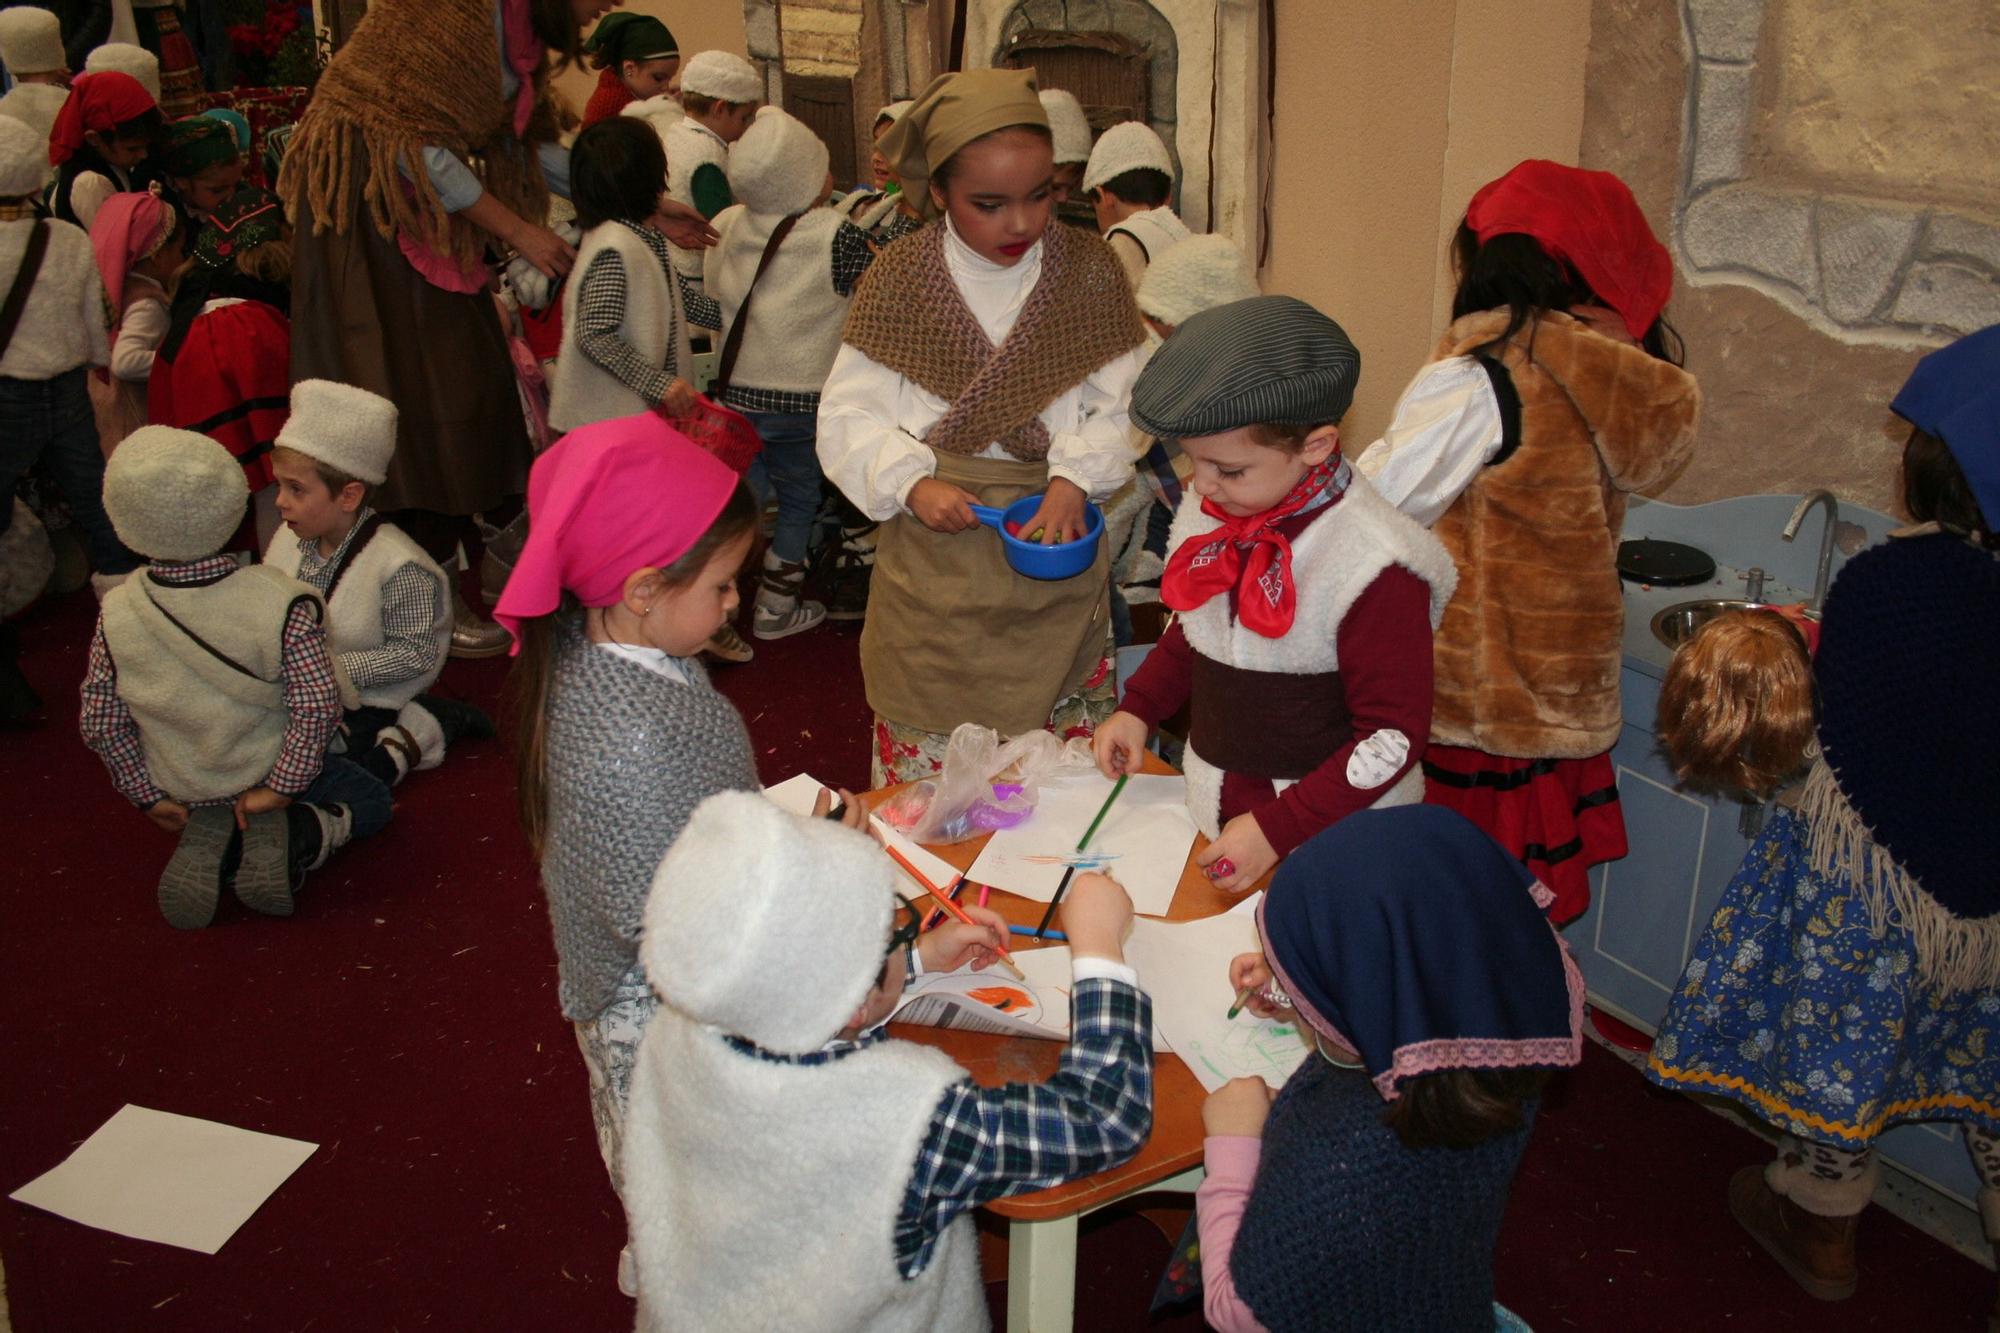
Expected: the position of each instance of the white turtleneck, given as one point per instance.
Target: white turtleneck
(872, 420)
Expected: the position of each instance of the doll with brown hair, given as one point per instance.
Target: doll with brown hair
(1850, 977)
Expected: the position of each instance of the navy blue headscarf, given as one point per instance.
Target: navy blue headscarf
(1413, 939)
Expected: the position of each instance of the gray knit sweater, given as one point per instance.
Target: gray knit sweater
(630, 755)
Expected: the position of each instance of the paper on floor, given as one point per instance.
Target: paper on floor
(1143, 842)
(171, 1178)
(1184, 966)
(797, 794)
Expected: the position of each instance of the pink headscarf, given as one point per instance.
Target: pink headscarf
(607, 499)
(129, 228)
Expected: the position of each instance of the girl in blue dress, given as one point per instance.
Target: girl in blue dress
(1850, 978)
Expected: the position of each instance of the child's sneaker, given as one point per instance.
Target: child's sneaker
(263, 880)
(192, 880)
(726, 645)
(848, 564)
(781, 610)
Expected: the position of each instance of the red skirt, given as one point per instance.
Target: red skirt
(1560, 817)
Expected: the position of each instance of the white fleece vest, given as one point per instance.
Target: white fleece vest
(795, 320)
(690, 144)
(1333, 562)
(763, 1196)
(354, 615)
(1157, 230)
(35, 105)
(581, 391)
(208, 729)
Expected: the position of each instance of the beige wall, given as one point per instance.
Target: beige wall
(1388, 118)
(697, 25)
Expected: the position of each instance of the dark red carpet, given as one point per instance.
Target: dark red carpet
(406, 1021)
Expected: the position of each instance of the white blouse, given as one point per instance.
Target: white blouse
(140, 334)
(871, 418)
(656, 660)
(1446, 428)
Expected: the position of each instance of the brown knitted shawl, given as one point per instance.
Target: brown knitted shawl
(415, 73)
(907, 315)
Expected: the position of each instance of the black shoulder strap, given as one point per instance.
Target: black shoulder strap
(734, 342)
(1509, 400)
(354, 548)
(24, 282)
(200, 642)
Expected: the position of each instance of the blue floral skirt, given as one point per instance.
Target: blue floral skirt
(1792, 1007)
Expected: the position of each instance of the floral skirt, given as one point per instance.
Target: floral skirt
(905, 754)
(1792, 1007)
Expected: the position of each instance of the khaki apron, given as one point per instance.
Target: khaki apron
(955, 635)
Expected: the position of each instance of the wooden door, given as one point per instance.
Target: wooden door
(826, 104)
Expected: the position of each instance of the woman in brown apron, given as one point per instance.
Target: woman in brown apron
(986, 357)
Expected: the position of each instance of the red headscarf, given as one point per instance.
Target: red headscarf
(1590, 220)
(98, 103)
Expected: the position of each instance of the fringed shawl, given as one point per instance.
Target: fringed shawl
(908, 315)
(418, 73)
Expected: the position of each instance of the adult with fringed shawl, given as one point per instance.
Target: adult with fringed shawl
(988, 357)
(430, 142)
(1850, 978)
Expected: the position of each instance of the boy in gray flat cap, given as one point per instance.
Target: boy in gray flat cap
(1306, 601)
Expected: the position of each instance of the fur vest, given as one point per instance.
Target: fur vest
(581, 391)
(794, 329)
(354, 612)
(764, 1194)
(691, 146)
(1155, 231)
(1528, 653)
(1334, 561)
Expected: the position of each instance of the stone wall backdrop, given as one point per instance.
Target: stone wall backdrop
(1827, 173)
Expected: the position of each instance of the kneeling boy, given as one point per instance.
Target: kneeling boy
(786, 1165)
(210, 695)
(388, 605)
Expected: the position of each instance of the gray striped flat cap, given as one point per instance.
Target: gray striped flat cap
(1271, 359)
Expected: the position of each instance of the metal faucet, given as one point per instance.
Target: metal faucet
(1825, 541)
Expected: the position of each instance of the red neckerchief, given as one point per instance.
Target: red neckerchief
(1248, 555)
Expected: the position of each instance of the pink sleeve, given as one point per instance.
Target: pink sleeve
(1218, 1204)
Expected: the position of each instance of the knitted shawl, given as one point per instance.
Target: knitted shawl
(1902, 800)
(416, 73)
(908, 315)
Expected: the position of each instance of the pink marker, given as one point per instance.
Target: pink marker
(1223, 868)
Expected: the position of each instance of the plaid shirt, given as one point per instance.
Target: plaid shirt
(987, 1143)
(305, 672)
(411, 604)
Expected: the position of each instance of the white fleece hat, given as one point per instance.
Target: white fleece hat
(1198, 274)
(725, 77)
(659, 111)
(1126, 146)
(126, 58)
(767, 925)
(31, 41)
(350, 430)
(174, 495)
(778, 166)
(24, 158)
(1068, 124)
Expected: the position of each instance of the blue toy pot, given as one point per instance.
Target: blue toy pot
(1064, 560)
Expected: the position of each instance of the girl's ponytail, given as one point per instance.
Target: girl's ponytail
(528, 698)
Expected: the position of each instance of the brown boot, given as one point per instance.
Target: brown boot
(1817, 1251)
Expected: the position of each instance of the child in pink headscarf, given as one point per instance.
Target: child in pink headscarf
(141, 241)
(635, 536)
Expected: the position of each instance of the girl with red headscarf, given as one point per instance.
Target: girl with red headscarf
(101, 144)
(1556, 391)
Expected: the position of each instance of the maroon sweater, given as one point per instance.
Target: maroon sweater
(1384, 645)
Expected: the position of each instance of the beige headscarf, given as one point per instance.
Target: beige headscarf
(951, 113)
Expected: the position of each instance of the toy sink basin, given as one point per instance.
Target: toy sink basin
(1064, 560)
(1677, 624)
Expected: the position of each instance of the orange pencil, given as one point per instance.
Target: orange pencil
(951, 907)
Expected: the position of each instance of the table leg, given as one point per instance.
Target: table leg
(1041, 1275)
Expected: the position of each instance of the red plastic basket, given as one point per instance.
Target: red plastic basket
(722, 431)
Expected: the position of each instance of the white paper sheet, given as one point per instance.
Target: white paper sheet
(1184, 966)
(171, 1178)
(1143, 842)
(948, 999)
(797, 794)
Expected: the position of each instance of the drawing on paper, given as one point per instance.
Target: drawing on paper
(1074, 860)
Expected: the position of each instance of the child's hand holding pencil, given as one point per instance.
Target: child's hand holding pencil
(1250, 978)
(954, 943)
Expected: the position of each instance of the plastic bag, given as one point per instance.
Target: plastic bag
(985, 785)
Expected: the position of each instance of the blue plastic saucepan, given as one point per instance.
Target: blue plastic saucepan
(1064, 560)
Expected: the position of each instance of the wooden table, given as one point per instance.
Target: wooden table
(1042, 1226)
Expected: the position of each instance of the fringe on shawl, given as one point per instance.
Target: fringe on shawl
(1953, 953)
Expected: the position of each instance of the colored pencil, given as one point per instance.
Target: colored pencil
(984, 889)
(951, 906)
(1084, 841)
(938, 912)
(1030, 930)
(1242, 998)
